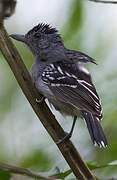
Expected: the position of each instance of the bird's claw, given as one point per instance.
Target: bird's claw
(65, 138)
(40, 100)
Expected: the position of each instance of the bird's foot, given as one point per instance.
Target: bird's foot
(65, 138)
(40, 100)
(68, 135)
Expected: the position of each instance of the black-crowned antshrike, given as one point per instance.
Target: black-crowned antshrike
(59, 74)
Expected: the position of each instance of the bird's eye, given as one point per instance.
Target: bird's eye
(43, 59)
(37, 35)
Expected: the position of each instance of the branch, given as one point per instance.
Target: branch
(42, 111)
(106, 2)
(44, 114)
(7, 8)
(23, 171)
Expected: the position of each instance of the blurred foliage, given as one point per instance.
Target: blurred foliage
(72, 28)
(4, 175)
(5, 99)
(37, 160)
(103, 161)
(25, 53)
(74, 22)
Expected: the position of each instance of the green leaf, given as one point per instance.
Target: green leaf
(93, 165)
(63, 175)
(4, 175)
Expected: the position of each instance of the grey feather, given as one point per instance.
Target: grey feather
(59, 76)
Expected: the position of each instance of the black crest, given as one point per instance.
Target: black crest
(42, 28)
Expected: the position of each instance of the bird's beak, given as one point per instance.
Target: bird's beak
(18, 37)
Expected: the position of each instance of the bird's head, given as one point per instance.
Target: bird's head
(40, 38)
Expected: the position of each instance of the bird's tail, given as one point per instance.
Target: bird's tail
(95, 129)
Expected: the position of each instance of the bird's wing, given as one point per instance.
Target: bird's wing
(71, 84)
(77, 56)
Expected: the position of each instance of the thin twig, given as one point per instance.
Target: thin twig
(67, 149)
(106, 2)
(23, 171)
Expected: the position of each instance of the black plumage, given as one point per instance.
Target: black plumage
(59, 74)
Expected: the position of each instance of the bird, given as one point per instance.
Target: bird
(60, 75)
